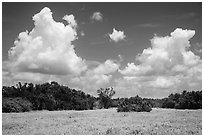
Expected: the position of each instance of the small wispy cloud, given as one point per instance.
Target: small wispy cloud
(82, 33)
(149, 25)
(188, 15)
(83, 8)
(97, 16)
(120, 57)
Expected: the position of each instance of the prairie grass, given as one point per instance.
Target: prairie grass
(103, 121)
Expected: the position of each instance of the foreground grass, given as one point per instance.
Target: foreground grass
(158, 121)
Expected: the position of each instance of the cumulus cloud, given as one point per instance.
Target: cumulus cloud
(107, 67)
(117, 36)
(167, 53)
(167, 63)
(70, 19)
(132, 69)
(97, 16)
(46, 53)
(48, 48)
(96, 77)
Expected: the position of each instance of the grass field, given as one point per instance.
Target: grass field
(109, 121)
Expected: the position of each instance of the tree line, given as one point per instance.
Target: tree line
(48, 96)
(53, 96)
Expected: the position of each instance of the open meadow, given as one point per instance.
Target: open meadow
(103, 121)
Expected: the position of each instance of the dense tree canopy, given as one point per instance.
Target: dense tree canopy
(49, 96)
(185, 100)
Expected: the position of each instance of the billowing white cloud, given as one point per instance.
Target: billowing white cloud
(168, 64)
(70, 19)
(96, 77)
(107, 67)
(46, 54)
(97, 16)
(162, 82)
(132, 69)
(117, 36)
(48, 48)
(167, 54)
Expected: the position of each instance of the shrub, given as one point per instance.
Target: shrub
(133, 104)
(15, 105)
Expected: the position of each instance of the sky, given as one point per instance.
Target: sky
(146, 49)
